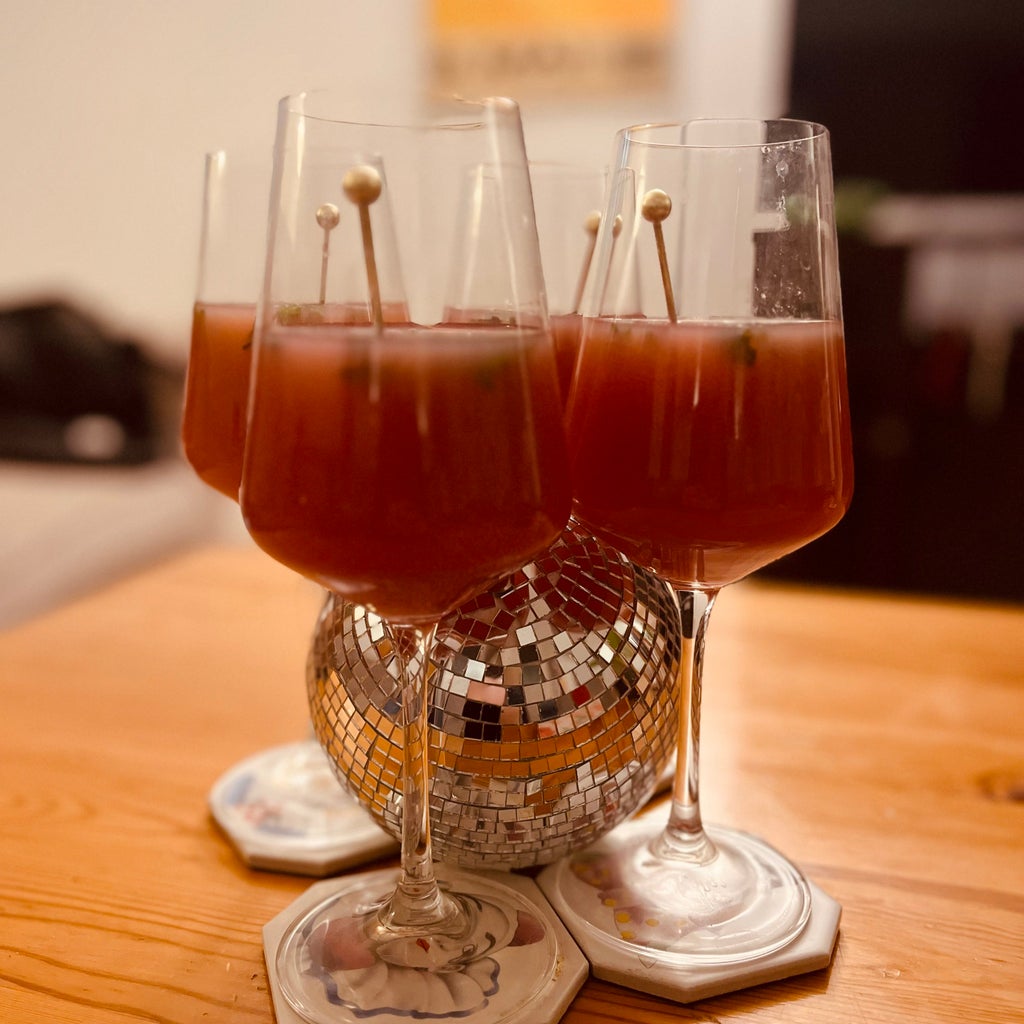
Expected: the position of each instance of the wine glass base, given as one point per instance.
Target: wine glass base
(705, 944)
(283, 809)
(531, 974)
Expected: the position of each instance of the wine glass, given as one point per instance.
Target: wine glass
(405, 448)
(236, 190)
(281, 807)
(708, 435)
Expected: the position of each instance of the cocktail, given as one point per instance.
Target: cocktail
(405, 448)
(708, 435)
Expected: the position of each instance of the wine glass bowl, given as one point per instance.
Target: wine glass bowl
(233, 227)
(454, 487)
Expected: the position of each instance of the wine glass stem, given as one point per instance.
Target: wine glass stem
(417, 901)
(684, 837)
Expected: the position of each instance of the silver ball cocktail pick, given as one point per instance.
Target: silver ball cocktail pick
(656, 206)
(362, 186)
(327, 216)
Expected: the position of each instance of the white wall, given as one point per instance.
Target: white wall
(109, 106)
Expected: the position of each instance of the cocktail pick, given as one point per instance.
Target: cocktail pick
(327, 216)
(591, 224)
(656, 206)
(362, 186)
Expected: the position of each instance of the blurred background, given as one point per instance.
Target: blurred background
(109, 109)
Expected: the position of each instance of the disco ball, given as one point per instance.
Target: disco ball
(552, 707)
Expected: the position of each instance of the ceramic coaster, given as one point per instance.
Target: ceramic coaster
(510, 961)
(284, 810)
(616, 961)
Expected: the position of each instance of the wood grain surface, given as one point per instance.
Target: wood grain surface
(878, 741)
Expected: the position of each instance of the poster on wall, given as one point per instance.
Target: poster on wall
(558, 49)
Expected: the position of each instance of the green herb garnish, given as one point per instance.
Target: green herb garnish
(293, 315)
(743, 349)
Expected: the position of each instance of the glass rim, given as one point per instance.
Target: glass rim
(568, 167)
(297, 105)
(227, 158)
(812, 131)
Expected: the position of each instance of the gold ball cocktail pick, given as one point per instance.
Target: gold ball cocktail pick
(362, 186)
(327, 216)
(656, 207)
(591, 225)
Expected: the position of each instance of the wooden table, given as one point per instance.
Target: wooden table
(878, 741)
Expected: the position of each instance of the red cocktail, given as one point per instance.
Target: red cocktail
(408, 471)
(706, 450)
(565, 329)
(216, 391)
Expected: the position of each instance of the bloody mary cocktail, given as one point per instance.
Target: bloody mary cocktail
(216, 392)
(409, 469)
(706, 450)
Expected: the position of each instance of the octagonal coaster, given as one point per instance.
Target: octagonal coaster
(525, 958)
(284, 810)
(616, 961)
